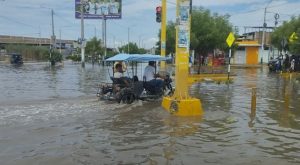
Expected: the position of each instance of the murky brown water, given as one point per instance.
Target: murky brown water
(51, 116)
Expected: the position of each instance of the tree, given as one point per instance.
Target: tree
(94, 48)
(208, 32)
(170, 39)
(133, 48)
(283, 32)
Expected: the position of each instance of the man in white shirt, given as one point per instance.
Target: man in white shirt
(151, 77)
(149, 72)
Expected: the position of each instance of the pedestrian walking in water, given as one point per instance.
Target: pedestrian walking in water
(292, 68)
(286, 63)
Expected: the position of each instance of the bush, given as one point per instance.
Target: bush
(74, 58)
(55, 57)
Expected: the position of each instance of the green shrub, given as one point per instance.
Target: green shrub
(74, 58)
(54, 57)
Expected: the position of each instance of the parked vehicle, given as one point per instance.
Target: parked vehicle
(127, 90)
(16, 58)
(273, 65)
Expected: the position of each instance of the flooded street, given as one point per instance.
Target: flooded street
(52, 116)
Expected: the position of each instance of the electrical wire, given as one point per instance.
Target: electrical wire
(18, 22)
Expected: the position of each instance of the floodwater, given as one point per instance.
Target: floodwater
(52, 116)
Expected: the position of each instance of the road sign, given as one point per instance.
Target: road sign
(230, 39)
(293, 37)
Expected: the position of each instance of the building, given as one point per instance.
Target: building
(247, 53)
(250, 50)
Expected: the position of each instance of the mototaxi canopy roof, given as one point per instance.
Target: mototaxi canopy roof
(137, 57)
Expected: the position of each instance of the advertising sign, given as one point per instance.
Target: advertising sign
(98, 9)
(183, 37)
(184, 18)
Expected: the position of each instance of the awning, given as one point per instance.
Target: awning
(137, 57)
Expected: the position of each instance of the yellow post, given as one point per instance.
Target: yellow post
(253, 101)
(181, 103)
(163, 33)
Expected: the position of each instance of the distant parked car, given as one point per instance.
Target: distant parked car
(16, 58)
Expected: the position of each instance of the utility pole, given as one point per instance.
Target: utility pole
(128, 39)
(104, 37)
(82, 36)
(276, 16)
(40, 35)
(53, 35)
(140, 40)
(114, 42)
(53, 38)
(264, 29)
(60, 41)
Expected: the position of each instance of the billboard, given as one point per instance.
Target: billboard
(98, 9)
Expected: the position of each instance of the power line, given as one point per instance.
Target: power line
(60, 17)
(18, 22)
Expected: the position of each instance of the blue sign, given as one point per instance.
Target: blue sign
(99, 9)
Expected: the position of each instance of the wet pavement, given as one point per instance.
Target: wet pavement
(51, 116)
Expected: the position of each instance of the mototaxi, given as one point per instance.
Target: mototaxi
(134, 86)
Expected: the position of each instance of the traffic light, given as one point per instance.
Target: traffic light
(158, 14)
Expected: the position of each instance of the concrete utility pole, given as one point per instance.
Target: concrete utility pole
(40, 36)
(264, 29)
(53, 35)
(60, 41)
(82, 36)
(53, 38)
(104, 37)
(128, 39)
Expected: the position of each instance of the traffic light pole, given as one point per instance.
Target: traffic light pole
(181, 103)
(163, 33)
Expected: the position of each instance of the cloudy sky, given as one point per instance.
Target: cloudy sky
(33, 17)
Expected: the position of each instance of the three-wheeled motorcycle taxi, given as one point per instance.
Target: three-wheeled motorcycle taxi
(133, 86)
